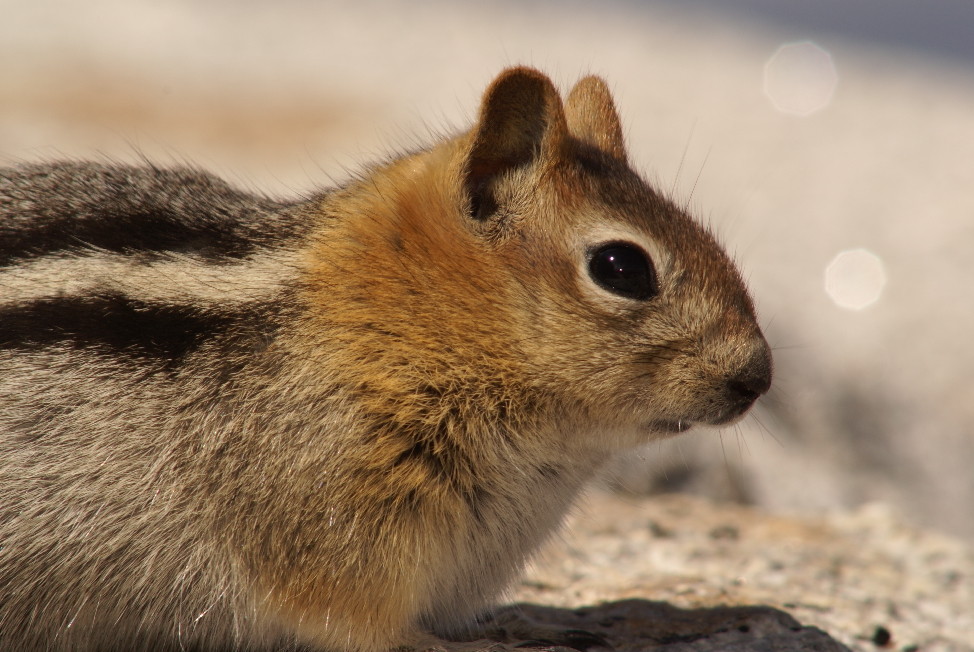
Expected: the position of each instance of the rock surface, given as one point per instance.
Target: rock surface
(679, 573)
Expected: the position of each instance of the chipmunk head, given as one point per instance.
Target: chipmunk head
(632, 310)
(528, 252)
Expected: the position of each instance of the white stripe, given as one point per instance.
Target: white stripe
(174, 279)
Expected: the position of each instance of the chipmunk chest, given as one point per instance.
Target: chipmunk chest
(502, 526)
(522, 508)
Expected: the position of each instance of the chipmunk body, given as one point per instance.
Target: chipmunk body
(228, 422)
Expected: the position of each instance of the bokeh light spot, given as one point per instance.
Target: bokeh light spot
(855, 279)
(800, 78)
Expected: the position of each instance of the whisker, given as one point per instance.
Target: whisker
(683, 158)
(693, 188)
(723, 449)
(765, 429)
(742, 446)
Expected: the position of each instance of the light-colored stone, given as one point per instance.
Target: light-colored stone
(851, 574)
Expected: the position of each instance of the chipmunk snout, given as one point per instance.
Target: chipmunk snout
(750, 382)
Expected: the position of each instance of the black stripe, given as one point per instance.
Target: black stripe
(50, 208)
(113, 323)
(149, 231)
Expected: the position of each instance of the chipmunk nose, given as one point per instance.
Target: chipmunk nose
(753, 380)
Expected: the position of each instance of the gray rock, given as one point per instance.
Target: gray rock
(635, 625)
(864, 577)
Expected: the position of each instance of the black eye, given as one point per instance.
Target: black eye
(623, 269)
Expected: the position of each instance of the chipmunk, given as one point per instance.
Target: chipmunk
(234, 423)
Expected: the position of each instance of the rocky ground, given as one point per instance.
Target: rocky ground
(679, 573)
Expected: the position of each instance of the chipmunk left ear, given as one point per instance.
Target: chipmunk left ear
(592, 117)
(521, 121)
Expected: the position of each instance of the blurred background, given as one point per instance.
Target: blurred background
(828, 143)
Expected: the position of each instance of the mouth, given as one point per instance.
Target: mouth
(669, 427)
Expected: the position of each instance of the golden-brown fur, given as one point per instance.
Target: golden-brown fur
(393, 408)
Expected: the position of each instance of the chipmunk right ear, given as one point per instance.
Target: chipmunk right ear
(521, 120)
(593, 119)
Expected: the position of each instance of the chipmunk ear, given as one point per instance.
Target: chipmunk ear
(521, 121)
(593, 119)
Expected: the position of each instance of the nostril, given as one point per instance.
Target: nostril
(749, 388)
(753, 381)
